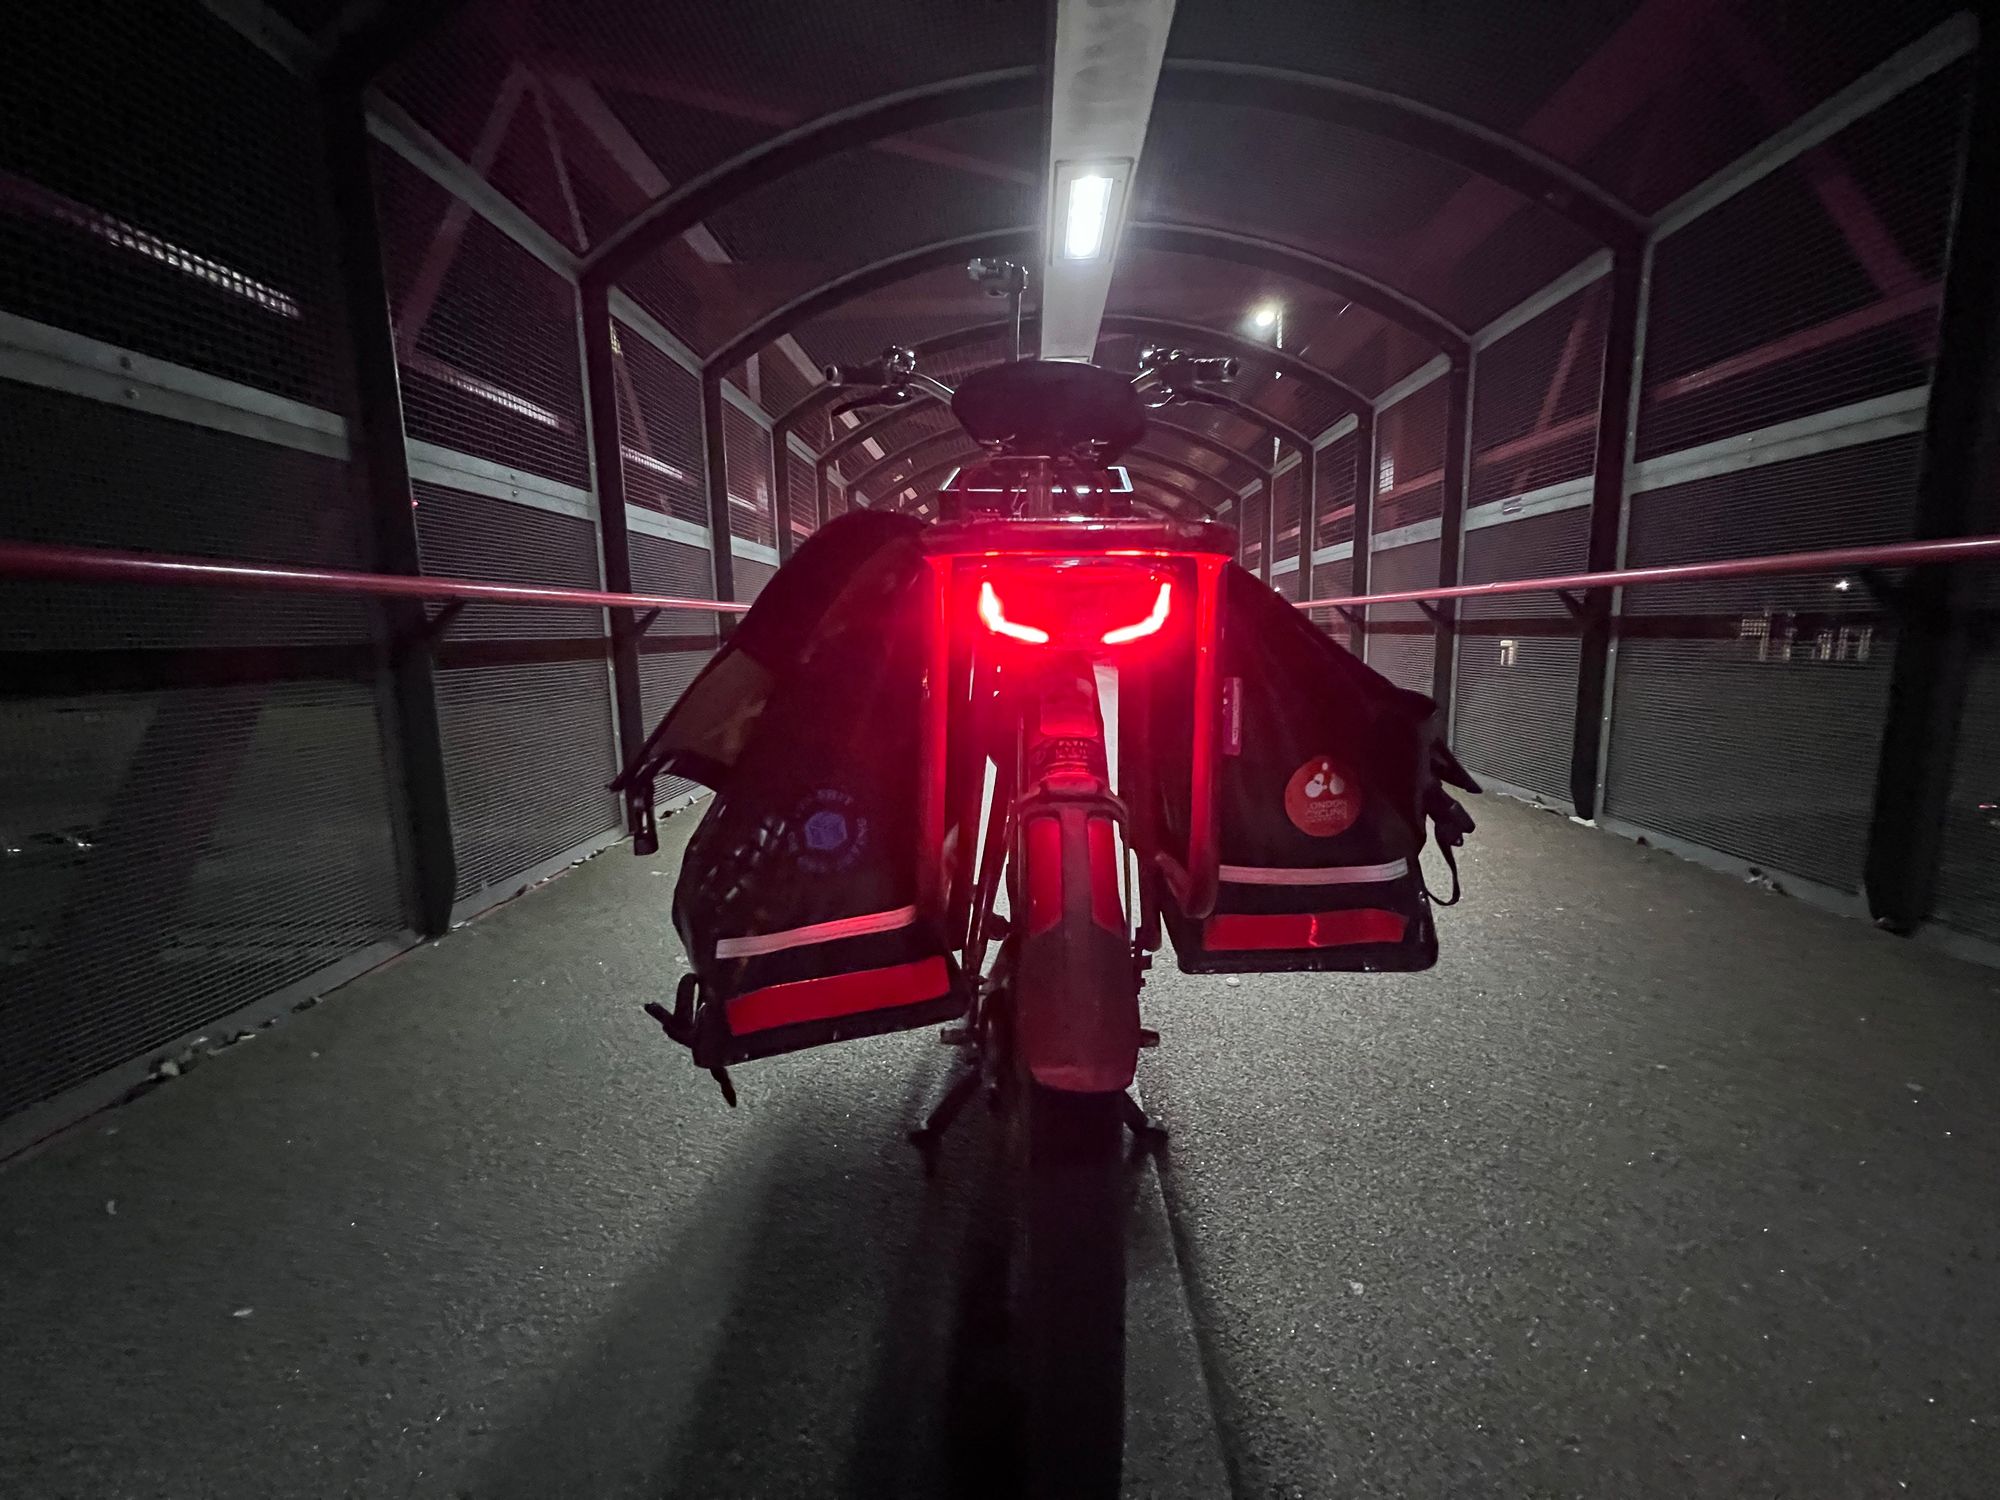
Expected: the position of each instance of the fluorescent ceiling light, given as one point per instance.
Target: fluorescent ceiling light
(1088, 214)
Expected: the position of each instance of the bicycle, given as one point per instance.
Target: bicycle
(1048, 588)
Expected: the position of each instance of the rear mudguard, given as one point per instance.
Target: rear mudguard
(1077, 985)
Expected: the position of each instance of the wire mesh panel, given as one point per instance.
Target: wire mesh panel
(1251, 511)
(172, 856)
(528, 748)
(751, 576)
(782, 384)
(1288, 491)
(1534, 403)
(1747, 714)
(1336, 481)
(86, 473)
(1401, 638)
(486, 335)
(802, 498)
(1409, 459)
(161, 189)
(1517, 655)
(1814, 288)
(184, 826)
(1967, 894)
(680, 642)
(747, 461)
(671, 285)
(659, 427)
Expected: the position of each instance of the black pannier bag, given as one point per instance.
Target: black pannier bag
(797, 900)
(1328, 772)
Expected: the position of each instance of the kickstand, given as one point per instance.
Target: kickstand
(1147, 1133)
(929, 1136)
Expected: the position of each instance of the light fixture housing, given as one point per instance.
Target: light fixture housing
(1089, 208)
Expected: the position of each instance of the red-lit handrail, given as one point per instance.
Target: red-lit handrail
(98, 565)
(1832, 559)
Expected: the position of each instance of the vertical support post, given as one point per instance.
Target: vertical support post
(781, 490)
(820, 505)
(1308, 520)
(384, 467)
(1270, 547)
(1362, 561)
(1451, 525)
(614, 537)
(1617, 432)
(715, 471)
(1958, 477)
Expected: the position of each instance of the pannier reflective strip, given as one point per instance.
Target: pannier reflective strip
(818, 932)
(839, 995)
(1396, 869)
(1304, 929)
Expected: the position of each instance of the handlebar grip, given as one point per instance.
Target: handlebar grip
(1223, 368)
(870, 374)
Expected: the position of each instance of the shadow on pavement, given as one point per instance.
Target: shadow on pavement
(835, 1327)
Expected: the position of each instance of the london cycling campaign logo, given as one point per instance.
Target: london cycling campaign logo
(1321, 798)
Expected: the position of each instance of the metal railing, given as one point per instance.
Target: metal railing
(1827, 560)
(30, 560)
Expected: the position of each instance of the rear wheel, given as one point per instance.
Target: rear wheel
(1070, 1289)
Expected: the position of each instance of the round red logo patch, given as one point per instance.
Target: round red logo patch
(1321, 798)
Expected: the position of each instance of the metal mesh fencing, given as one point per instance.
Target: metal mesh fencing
(1514, 706)
(185, 828)
(1251, 511)
(659, 427)
(486, 335)
(1288, 492)
(1967, 895)
(1535, 399)
(681, 642)
(523, 693)
(129, 213)
(1812, 289)
(1747, 714)
(747, 464)
(1409, 459)
(1401, 638)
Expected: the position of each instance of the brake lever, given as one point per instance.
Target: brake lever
(894, 396)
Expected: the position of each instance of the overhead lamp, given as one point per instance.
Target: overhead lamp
(1089, 199)
(1266, 316)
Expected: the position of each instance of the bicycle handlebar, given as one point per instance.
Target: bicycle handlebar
(876, 373)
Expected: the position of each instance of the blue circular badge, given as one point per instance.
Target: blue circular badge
(831, 834)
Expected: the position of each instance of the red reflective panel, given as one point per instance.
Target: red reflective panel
(839, 995)
(1304, 929)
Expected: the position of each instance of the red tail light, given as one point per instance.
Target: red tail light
(997, 621)
(1148, 626)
